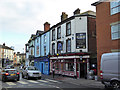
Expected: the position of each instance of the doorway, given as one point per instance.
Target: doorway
(83, 70)
(42, 68)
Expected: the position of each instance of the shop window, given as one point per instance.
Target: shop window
(69, 66)
(56, 66)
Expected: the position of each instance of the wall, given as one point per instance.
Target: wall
(45, 44)
(103, 30)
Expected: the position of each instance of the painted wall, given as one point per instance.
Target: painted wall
(77, 26)
(43, 43)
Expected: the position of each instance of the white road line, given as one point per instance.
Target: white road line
(22, 82)
(51, 80)
(42, 81)
(32, 81)
(10, 83)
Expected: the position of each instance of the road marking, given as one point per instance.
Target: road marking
(10, 83)
(32, 81)
(22, 82)
(51, 80)
(42, 81)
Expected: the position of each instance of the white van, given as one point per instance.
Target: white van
(110, 69)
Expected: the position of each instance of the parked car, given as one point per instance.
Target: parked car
(31, 71)
(9, 74)
(110, 70)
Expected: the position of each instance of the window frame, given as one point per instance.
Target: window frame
(45, 51)
(58, 50)
(58, 32)
(68, 29)
(115, 31)
(53, 44)
(114, 7)
(67, 45)
(53, 34)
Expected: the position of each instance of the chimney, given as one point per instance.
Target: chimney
(3, 44)
(46, 26)
(64, 16)
(77, 11)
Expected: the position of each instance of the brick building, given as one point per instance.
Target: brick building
(107, 28)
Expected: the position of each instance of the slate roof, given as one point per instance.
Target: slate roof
(5, 47)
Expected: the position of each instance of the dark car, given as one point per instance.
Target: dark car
(10, 74)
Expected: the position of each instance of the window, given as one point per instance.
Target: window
(53, 48)
(59, 32)
(115, 6)
(68, 45)
(59, 47)
(44, 38)
(37, 39)
(69, 65)
(68, 29)
(44, 50)
(115, 31)
(53, 34)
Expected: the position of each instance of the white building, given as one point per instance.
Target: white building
(72, 42)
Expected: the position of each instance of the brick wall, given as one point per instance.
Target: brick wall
(103, 30)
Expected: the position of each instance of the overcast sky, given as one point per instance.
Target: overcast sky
(21, 18)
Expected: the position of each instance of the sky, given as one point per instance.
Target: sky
(21, 18)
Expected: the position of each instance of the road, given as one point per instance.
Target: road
(48, 83)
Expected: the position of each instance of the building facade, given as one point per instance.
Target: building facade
(6, 55)
(107, 28)
(31, 50)
(72, 44)
(41, 60)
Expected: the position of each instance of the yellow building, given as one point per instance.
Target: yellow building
(6, 54)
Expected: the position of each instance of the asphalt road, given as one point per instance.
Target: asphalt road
(44, 83)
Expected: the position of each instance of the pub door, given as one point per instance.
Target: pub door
(83, 70)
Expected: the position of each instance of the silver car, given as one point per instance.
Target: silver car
(31, 71)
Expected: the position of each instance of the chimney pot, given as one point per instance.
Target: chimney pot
(77, 11)
(3, 44)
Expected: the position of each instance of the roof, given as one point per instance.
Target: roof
(5, 47)
(98, 2)
(72, 17)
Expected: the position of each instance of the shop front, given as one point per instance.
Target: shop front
(43, 64)
(74, 65)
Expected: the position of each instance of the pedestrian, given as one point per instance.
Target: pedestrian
(53, 72)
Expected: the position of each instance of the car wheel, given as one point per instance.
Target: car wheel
(39, 78)
(18, 79)
(22, 75)
(3, 79)
(15, 80)
(115, 84)
(27, 77)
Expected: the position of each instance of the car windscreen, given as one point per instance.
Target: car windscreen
(11, 71)
(32, 68)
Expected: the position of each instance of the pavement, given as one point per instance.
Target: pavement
(80, 81)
